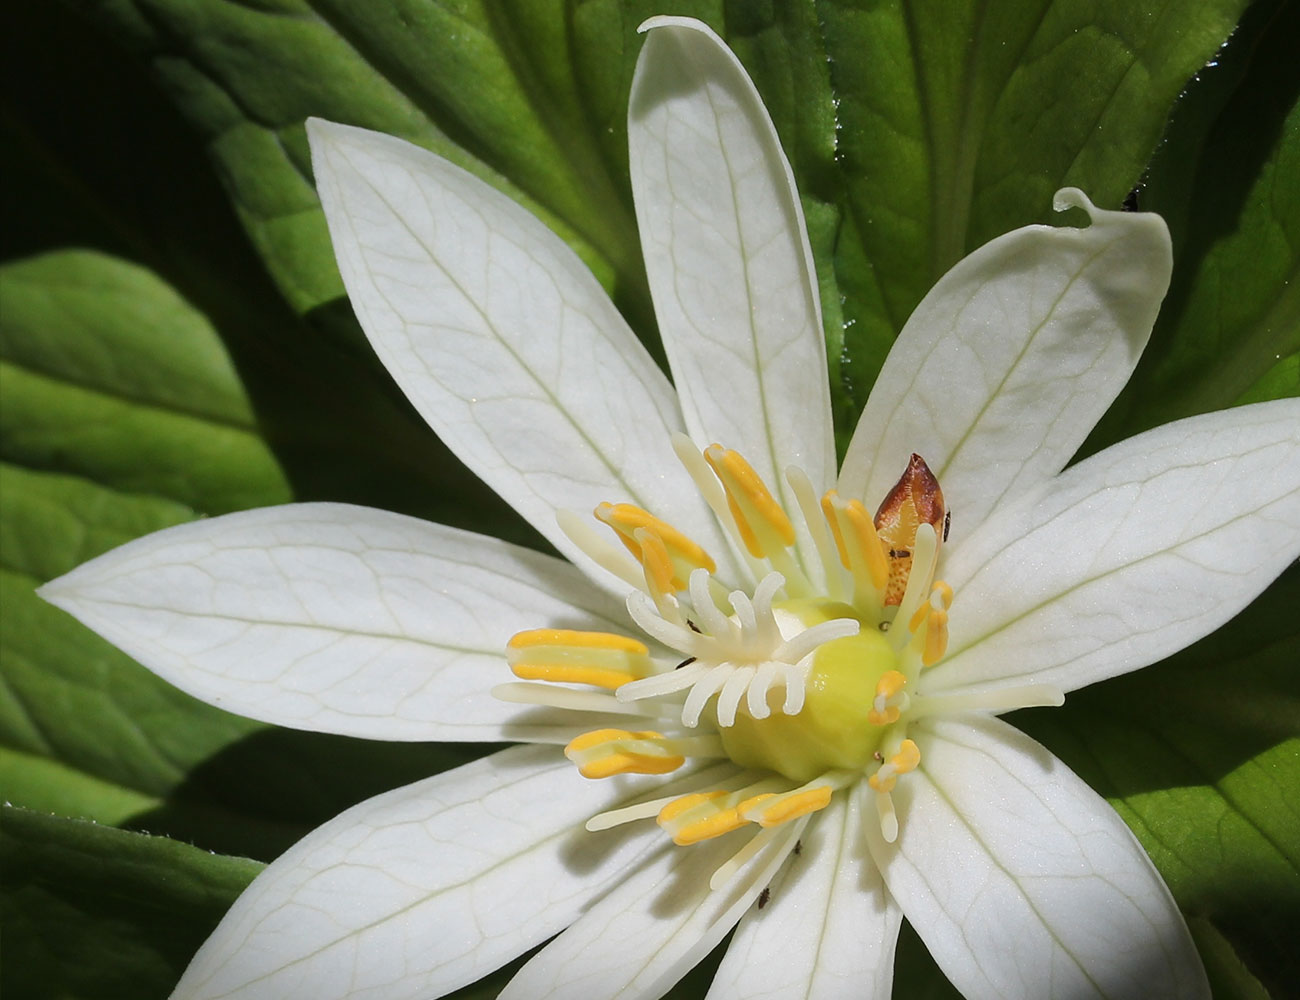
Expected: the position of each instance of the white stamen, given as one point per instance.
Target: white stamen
(707, 615)
(924, 550)
(798, 646)
(715, 776)
(794, 677)
(810, 507)
(662, 684)
(888, 818)
(758, 688)
(744, 609)
(732, 692)
(553, 696)
(599, 551)
(997, 700)
(704, 689)
(769, 633)
(646, 615)
(756, 843)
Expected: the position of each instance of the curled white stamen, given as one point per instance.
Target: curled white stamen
(769, 633)
(704, 689)
(797, 647)
(794, 677)
(707, 615)
(758, 688)
(744, 609)
(732, 692)
(643, 611)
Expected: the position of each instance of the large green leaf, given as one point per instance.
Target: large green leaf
(1228, 182)
(1201, 756)
(92, 912)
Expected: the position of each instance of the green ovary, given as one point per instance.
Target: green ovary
(832, 730)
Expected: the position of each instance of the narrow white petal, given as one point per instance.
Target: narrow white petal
(659, 921)
(1011, 359)
(828, 926)
(419, 891)
(1023, 882)
(1129, 556)
(501, 337)
(335, 618)
(727, 255)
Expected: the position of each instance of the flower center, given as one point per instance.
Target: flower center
(798, 685)
(834, 728)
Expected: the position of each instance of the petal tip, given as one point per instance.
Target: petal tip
(672, 21)
(1072, 197)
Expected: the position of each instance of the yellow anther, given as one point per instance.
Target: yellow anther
(933, 617)
(936, 638)
(907, 759)
(890, 685)
(716, 825)
(574, 637)
(655, 561)
(566, 656)
(602, 753)
(864, 532)
(680, 553)
(828, 511)
(756, 512)
(792, 805)
(680, 805)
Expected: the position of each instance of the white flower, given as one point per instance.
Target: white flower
(1019, 878)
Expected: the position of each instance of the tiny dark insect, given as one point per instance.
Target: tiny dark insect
(899, 553)
(685, 663)
(764, 896)
(693, 627)
(947, 523)
(798, 848)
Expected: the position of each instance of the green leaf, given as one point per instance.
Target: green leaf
(1200, 756)
(93, 912)
(1226, 182)
(107, 373)
(957, 122)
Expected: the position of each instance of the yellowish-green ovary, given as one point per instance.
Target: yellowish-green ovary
(832, 731)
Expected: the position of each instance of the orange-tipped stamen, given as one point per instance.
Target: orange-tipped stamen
(763, 525)
(568, 656)
(680, 552)
(603, 753)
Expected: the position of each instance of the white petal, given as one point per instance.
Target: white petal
(727, 255)
(1023, 882)
(334, 618)
(1129, 556)
(501, 337)
(1011, 359)
(418, 891)
(653, 927)
(828, 929)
